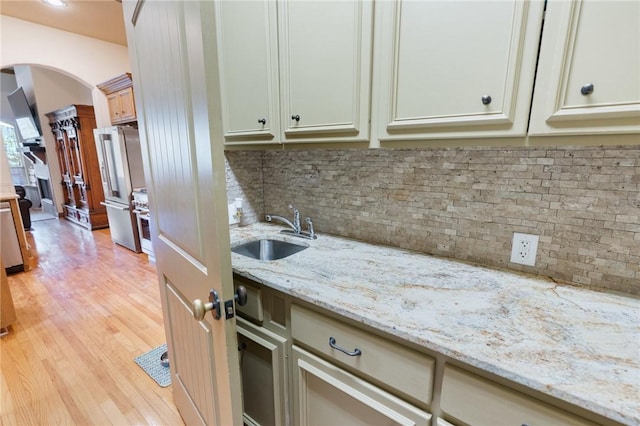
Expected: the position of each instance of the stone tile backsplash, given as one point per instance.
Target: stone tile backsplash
(244, 180)
(465, 203)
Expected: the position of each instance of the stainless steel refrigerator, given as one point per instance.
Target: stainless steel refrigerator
(120, 160)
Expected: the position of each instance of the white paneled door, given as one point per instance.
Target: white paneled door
(169, 44)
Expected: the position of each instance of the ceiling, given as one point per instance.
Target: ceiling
(101, 19)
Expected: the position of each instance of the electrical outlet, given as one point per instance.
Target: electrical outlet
(233, 216)
(524, 248)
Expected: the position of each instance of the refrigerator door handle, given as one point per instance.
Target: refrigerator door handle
(109, 166)
(105, 177)
(115, 206)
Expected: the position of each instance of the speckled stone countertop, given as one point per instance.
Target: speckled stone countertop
(574, 344)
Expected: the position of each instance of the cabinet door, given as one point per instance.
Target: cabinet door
(455, 69)
(127, 104)
(327, 395)
(325, 62)
(588, 46)
(113, 100)
(264, 375)
(248, 58)
(476, 401)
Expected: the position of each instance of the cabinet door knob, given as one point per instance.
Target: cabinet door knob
(587, 89)
(241, 295)
(295, 117)
(486, 100)
(262, 121)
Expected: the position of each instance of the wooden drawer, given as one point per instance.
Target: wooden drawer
(474, 400)
(253, 308)
(408, 371)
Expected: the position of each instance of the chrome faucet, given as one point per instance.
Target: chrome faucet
(295, 225)
(296, 229)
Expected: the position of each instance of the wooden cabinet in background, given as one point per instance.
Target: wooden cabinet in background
(119, 91)
(121, 106)
(72, 128)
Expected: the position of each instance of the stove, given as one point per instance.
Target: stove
(140, 200)
(141, 209)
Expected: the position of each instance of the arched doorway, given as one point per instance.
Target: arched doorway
(46, 89)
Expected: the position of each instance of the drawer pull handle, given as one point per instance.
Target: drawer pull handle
(332, 343)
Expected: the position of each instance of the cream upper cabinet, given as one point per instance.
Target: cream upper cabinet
(248, 63)
(454, 69)
(294, 71)
(325, 69)
(589, 72)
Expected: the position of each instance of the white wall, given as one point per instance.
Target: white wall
(87, 59)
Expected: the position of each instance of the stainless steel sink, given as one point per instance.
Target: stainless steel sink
(266, 249)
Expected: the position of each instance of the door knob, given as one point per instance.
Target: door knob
(200, 308)
(241, 295)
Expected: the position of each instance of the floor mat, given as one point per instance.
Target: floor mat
(150, 363)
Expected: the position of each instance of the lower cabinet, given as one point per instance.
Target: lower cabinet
(470, 399)
(302, 365)
(264, 375)
(328, 395)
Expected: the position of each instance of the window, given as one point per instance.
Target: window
(14, 154)
(11, 145)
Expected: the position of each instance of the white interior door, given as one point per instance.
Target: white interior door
(186, 184)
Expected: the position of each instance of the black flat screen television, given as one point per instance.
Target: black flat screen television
(25, 118)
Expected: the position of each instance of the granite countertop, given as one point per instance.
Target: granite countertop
(577, 345)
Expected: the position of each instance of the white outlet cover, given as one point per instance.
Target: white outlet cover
(524, 248)
(233, 218)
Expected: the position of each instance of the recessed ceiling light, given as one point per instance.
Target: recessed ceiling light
(56, 3)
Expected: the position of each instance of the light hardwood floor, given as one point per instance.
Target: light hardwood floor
(85, 311)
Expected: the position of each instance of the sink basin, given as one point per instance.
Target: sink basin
(267, 249)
